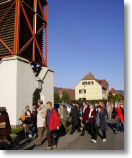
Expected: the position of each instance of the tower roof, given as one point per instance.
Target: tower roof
(89, 76)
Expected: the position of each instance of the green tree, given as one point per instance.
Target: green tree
(66, 97)
(111, 98)
(56, 97)
(118, 97)
(115, 98)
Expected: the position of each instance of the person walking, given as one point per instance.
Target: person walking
(75, 114)
(109, 110)
(114, 112)
(119, 118)
(34, 120)
(91, 122)
(63, 115)
(5, 129)
(85, 113)
(26, 119)
(100, 124)
(52, 126)
(41, 115)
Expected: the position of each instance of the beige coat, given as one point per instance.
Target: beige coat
(41, 117)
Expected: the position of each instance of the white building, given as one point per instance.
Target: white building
(19, 86)
(89, 88)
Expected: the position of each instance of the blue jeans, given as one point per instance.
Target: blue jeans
(119, 126)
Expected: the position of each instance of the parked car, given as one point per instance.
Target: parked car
(57, 106)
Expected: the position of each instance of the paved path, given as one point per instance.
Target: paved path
(114, 142)
(77, 142)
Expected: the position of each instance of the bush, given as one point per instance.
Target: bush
(16, 130)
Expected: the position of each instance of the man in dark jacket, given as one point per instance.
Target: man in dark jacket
(75, 114)
(34, 120)
(5, 129)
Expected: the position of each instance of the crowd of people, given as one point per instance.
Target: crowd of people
(87, 117)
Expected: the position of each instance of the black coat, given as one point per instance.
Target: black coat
(102, 119)
(4, 131)
(75, 114)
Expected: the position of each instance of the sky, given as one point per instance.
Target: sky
(86, 36)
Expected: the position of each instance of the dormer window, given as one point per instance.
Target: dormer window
(90, 82)
(84, 83)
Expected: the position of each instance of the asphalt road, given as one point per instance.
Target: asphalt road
(77, 142)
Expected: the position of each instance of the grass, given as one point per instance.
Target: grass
(16, 131)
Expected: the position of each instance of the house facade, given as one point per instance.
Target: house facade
(90, 88)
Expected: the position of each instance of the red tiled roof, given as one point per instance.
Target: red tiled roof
(103, 82)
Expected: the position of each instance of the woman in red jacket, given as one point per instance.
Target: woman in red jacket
(119, 119)
(52, 124)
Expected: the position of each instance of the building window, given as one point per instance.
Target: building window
(90, 83)
(84, 83)
(82, 91)
(84, 99)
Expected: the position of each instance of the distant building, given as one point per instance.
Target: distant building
(113, 91)
(90, 88)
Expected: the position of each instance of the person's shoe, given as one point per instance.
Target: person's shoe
(93, 140)
(35, 136)
(30, 136)
(49, 148)
(54, 146)
(81, 134)
(116, 132)
(104, 140)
